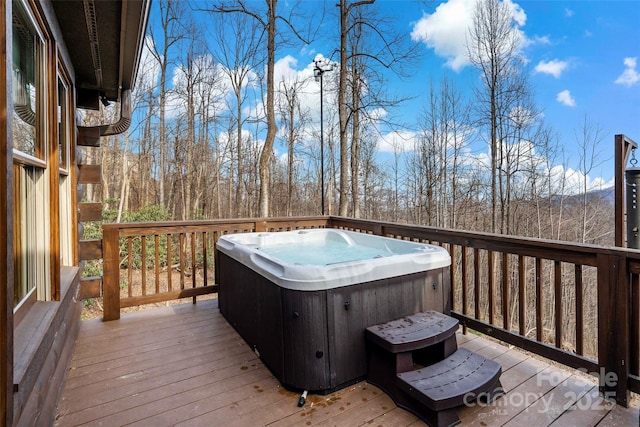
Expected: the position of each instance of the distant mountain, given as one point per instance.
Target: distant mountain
(606, 194)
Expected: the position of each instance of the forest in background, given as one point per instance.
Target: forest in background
(207, 115)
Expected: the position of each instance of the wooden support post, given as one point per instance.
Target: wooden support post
(613, 327)
(261, 225)
(111, 274)
(623, 147)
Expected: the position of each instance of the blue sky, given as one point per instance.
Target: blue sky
(583, 59)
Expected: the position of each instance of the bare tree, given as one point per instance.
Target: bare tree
(346, 9)
(368, 44)
(445, 131)
(590, 157)
(171, 14)
(493, 48)
(293, 119)
(238, 44)
(266, 20)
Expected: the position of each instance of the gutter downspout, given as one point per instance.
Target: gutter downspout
(121, 125)
(90, 135)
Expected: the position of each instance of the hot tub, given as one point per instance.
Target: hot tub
(302, 299)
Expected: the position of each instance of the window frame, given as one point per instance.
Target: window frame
(66, 195)
(37, 274)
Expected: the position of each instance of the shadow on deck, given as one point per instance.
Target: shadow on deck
(185, 365)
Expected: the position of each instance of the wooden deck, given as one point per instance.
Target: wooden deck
(185, 365)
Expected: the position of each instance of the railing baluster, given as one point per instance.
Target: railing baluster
(169, 263)
(216, 235)
(476, 282)
(453, 276)
(558, 301)
(130, 266)
(464, 279)
(144, 264)
(522, 295)
(506, 311)
(634, 344)
(579, 310)
(181, 260)
(492, 285)
(205, 261)
(156, 241)
(539, 301)
(193, 263)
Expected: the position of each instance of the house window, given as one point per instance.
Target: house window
(64, 181)
(30, 179)
(27, 83)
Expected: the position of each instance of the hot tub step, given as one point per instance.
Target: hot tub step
(413, 332)
(400, 345)
(459, 379)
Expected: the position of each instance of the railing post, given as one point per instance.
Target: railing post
(613, 327)
(261, 225)
(111, 274)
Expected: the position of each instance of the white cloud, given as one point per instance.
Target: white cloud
(554, 67)
(284, 69)
(570, 181)
(543, 40)
(517, 12)
(149, 72)
(400, 141)
(565, 98)
(630, 76)
(568, 12)
(446, 30)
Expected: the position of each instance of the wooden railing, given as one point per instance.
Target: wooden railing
(576, 304)
(501, 284)
(147, 263)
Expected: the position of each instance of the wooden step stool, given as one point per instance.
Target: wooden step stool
(415, 360)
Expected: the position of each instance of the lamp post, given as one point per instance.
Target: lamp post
(320, 68)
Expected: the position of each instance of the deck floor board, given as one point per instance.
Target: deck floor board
(185, 365)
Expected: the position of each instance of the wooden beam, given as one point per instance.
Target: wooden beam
(90, 249)
(88, 99)
(89, 174)
(89, 212)
(168, 296)
(91, 287)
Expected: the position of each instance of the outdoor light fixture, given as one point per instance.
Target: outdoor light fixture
(321, 66)
(104, 100)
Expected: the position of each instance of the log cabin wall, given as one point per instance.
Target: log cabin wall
(6, 227)
(47, 76)
(45, 326)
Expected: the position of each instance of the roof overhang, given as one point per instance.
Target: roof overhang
(104, 39)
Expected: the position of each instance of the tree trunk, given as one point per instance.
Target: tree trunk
(267, 149)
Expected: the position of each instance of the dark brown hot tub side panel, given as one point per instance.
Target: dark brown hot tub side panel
(252, 305)
(314, 340)
(306, 347)
(351, 309)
